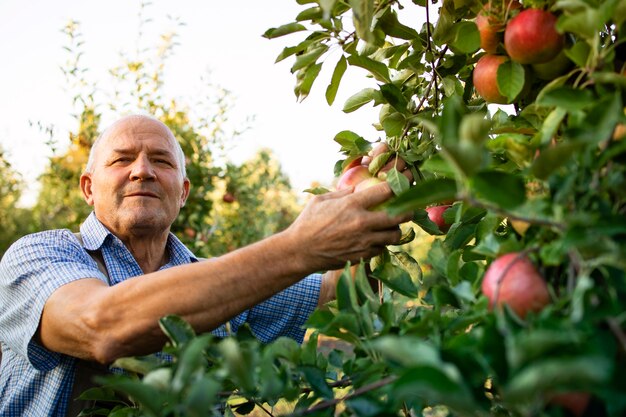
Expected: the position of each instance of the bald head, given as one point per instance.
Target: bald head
(130, 124)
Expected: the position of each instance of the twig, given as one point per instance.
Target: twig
(499, 211)
(618, 332)
(269, 413)
(331, 403)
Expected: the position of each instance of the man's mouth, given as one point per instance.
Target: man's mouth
(142, 194)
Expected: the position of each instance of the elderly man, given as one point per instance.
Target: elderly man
(56, 306)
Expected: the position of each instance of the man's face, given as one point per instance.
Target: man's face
(136, 186)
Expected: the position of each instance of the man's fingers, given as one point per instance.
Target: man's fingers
(336, 194)
(374, 195)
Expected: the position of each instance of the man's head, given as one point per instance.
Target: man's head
(135, 177)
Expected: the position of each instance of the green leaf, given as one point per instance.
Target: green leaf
(549, 127)
(317, 379)
(567, 98)
(362, 16)
(308, 58)
(586, 22)
(547, 374)
(352, 143)
(504, 189)
(283, 30)
(394, 124)
(149, 398)
(238, 362)
(409, 264)
(579, 53)
(553, 158)
(397, 181)
(394, 97)
(466, 38)
(100, 394)
(346, 292)
(397, 279)
(177, 330)
(377, 69)
(327, 7)
(317, 190)
(333, 87)
(303, 88)
(511, 79)
(392, 27)
(312, 13)
(360, 99)
(422, 194)
(435, 384)
(191, 361)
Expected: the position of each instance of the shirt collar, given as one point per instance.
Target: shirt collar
(95, 236)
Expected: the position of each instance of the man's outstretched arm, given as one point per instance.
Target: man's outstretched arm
(88, 319)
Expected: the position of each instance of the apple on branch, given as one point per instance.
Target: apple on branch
(491, 22)
(435, 214)
(512, 279)
(485, 78)
(531, 37)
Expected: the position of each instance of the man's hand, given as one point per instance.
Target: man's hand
(343, 226)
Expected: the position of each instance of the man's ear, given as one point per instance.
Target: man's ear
(85, 187)
(185, 194)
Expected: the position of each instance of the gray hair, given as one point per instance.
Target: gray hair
(180, 155)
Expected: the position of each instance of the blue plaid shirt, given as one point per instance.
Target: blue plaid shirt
(37, 382)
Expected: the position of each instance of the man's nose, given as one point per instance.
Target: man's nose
(142, 169)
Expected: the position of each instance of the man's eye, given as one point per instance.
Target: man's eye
(164, 162)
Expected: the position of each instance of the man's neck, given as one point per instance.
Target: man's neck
(150, 252)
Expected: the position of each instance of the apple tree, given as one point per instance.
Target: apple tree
(519, 307)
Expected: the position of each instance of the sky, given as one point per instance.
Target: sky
(223, 39)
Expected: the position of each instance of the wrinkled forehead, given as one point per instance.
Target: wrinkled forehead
(136, 132)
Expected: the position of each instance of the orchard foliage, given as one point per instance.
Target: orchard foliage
(13, 219)
(544, 177)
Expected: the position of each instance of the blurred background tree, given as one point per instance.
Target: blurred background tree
(13, 219)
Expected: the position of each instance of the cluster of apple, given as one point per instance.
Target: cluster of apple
(528, 36)
(357, 174)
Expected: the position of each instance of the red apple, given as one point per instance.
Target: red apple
(574, 401)
(228, 198)
(353, 176)
(435, 214)
(512, 279)
(353, 163)
(491, 22)
(485, 78)
(490, 33)
(531, 37)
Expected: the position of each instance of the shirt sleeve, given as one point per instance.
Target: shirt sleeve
(30, 271)
(285, 313)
